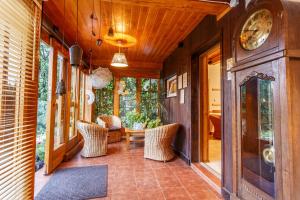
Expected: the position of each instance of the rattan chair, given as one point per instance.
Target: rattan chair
(158, 142)
(95, 139)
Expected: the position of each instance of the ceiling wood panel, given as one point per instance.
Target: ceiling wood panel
(158, 26)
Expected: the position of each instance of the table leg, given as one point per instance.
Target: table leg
(128, 139)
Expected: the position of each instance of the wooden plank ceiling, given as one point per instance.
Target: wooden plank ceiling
(158, 26)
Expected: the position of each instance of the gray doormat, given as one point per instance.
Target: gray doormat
(76, 184)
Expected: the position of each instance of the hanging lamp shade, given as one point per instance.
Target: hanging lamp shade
(100, 77)
(119, 60)
(75, 55)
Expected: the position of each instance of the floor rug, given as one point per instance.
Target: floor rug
(76, 184)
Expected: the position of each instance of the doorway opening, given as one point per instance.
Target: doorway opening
(211, 111)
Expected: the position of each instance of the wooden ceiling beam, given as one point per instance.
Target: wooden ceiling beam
(194, 5)
(128, 72)
(132, 64)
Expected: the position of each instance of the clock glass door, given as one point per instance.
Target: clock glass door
(257, 129)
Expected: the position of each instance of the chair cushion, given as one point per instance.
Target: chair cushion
(111, 122)
(114, 128)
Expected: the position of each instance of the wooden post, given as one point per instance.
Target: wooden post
(158, 99)
(67, 103)
(138, 94)
(204, 110)
(116, 96)
(88, 115)
(61, 105)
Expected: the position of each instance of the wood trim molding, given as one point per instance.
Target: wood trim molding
(220, 16)
(202, 6)
(207, 176)
(49, 146)
(204, 107)
(295, 53)
(258, 61)
(137, 65)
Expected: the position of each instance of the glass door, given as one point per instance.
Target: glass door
(59, 105)
(56, 110)
(258, 152)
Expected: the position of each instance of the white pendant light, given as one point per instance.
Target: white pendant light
(100, 77)
(119, 60)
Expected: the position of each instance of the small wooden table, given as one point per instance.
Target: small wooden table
(136, 136)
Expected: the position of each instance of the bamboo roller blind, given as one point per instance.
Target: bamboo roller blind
(19, 50)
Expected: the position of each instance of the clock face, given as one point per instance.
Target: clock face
(256, 30)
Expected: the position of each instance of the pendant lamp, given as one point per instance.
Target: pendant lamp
(75, 50)
(111, 30)
(99, 41)
(119, 60)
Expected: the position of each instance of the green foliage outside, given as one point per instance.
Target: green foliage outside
(104, 100)
(149, 98)
(133, 117)
(148, 115)
(42, 100)
(129, 116)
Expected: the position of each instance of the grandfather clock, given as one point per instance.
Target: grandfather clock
(267, 101)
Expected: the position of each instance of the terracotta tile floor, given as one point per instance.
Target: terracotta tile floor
(131, 177)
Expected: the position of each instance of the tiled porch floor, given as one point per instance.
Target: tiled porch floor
(132, 177)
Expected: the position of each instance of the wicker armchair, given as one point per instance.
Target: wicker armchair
(95, 139)
(158, 142)
(114, 125)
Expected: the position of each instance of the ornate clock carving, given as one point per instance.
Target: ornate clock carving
(256, 29)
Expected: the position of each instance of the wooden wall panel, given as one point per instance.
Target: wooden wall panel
(292, 74)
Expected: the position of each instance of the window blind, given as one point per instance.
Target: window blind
(19, 43)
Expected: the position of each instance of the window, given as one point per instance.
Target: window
(149, 98)
(72, 131)
(104, 100)
(19, 45)
(59, 106)
(128, 99)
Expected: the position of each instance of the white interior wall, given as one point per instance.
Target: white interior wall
(214, 86)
